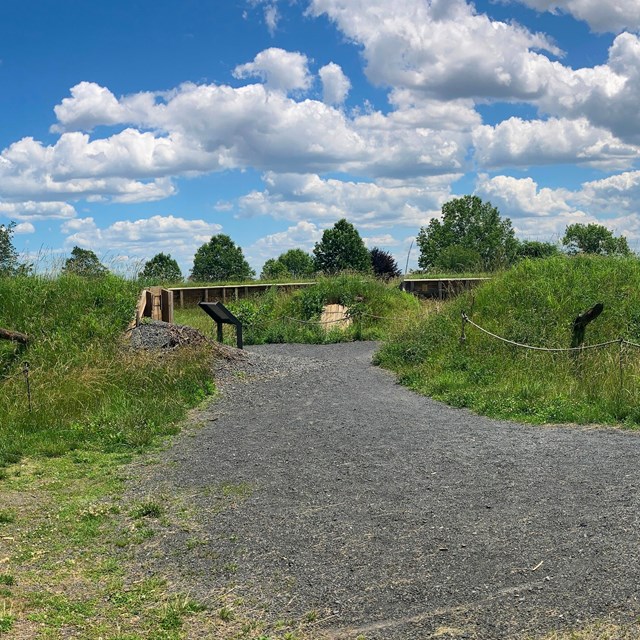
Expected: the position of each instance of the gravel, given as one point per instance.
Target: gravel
(395, 516)
(156, 334)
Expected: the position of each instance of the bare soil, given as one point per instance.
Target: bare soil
(319, 484)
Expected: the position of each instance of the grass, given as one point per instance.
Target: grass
(533, 303)
(87, 389)
(277, 317)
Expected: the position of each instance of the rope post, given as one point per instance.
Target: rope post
(25, 371)
(463, 337)
(621, 369)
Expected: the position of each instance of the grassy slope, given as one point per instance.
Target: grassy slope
(95, 403)
(86, 388)
(534, 303)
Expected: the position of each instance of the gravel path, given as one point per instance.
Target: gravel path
(395, 516)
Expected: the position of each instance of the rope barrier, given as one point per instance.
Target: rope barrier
(601, 345)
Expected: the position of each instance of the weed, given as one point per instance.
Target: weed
(148, 509)
(7, 516)
(7, 579)
(226, 614)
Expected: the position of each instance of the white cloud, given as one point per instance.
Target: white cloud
(141, 239)
(432, 48)
(24, 228)
(601, 15)
(384, 240)
(302, 235)
(521, 197)
(335, 85)
(368, 205)
(279, 69)
(608, 95)
(535, 142)
(271, 18)
(36, 210)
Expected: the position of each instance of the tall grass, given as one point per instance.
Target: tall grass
(87, 388)
(534, 303)
(279, 317)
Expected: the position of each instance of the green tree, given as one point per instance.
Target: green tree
(341, 248)
(162, 267)
(384, 264)
(594, 238)
(220, 259)
(84, 262)
(294, 263)
(458, 259)
(9, 264)
(470, 223)
(535, 249)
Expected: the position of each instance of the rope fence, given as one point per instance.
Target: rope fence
(600, 345)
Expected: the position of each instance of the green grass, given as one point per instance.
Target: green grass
(87, 390)
(534, 303)
(279, 317)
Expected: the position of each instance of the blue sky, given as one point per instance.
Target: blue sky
(141, 126)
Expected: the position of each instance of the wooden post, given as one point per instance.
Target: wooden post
(581, 322)
(182, 298)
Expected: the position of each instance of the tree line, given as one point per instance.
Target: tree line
(469, 236)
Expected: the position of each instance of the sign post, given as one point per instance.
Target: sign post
(221, 315)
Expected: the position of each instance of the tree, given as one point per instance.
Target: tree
(84, 262)
(594, 238)
(220, 259)
(535, 249)
(474, 225)
(341, 248)
(8, 254)
(294, 263)
(384, 264)
(458, 259)
(162, 267)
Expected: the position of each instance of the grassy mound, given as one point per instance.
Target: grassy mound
(87, 390)
(278, 317)
(534, 303)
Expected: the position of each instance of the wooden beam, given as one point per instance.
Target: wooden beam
(15, 336)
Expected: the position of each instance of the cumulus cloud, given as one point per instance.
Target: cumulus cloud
(610, 15)
(368, 205)
(558, 140)
(431, 48)
(279, 69)
(544, 213)
(24, 228)
(31, 210)
(335, 85)
(141, 239)
(302, 235)
(521, 197)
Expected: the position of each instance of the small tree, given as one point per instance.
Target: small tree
(294, 263)
(84, 262)
(535, 249)
(341, 248)
(9, 264)
(470, 223)
(384, 264)
(594, 238)
(162, 267)
(220, 259)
